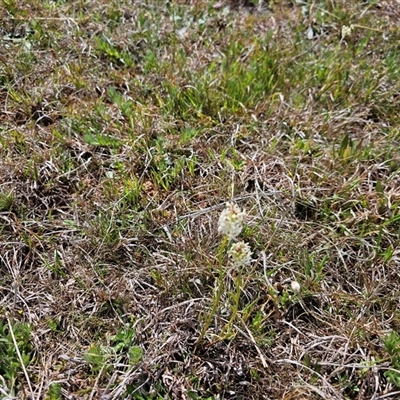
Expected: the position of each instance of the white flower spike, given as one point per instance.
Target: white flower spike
(240, 254)
(231, 220)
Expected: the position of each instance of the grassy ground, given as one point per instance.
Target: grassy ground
(126, 126)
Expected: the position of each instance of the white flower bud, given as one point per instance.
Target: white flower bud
(295, 286)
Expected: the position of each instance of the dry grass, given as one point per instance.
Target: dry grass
(125, 128)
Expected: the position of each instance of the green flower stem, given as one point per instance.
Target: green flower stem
(218, 294)
(238, 283)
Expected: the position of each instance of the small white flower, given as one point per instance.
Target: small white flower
(295, 286)
(240, 254)
(231, 220)
(346, 30)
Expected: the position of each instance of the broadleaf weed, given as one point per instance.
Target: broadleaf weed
(392, 345)
(10, 357)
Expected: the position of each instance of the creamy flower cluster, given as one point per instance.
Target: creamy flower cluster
(346, 30)
(240, 254)
(231, 220)
(230, 224)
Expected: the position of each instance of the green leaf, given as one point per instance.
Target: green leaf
(135, 354)
(379, 187)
